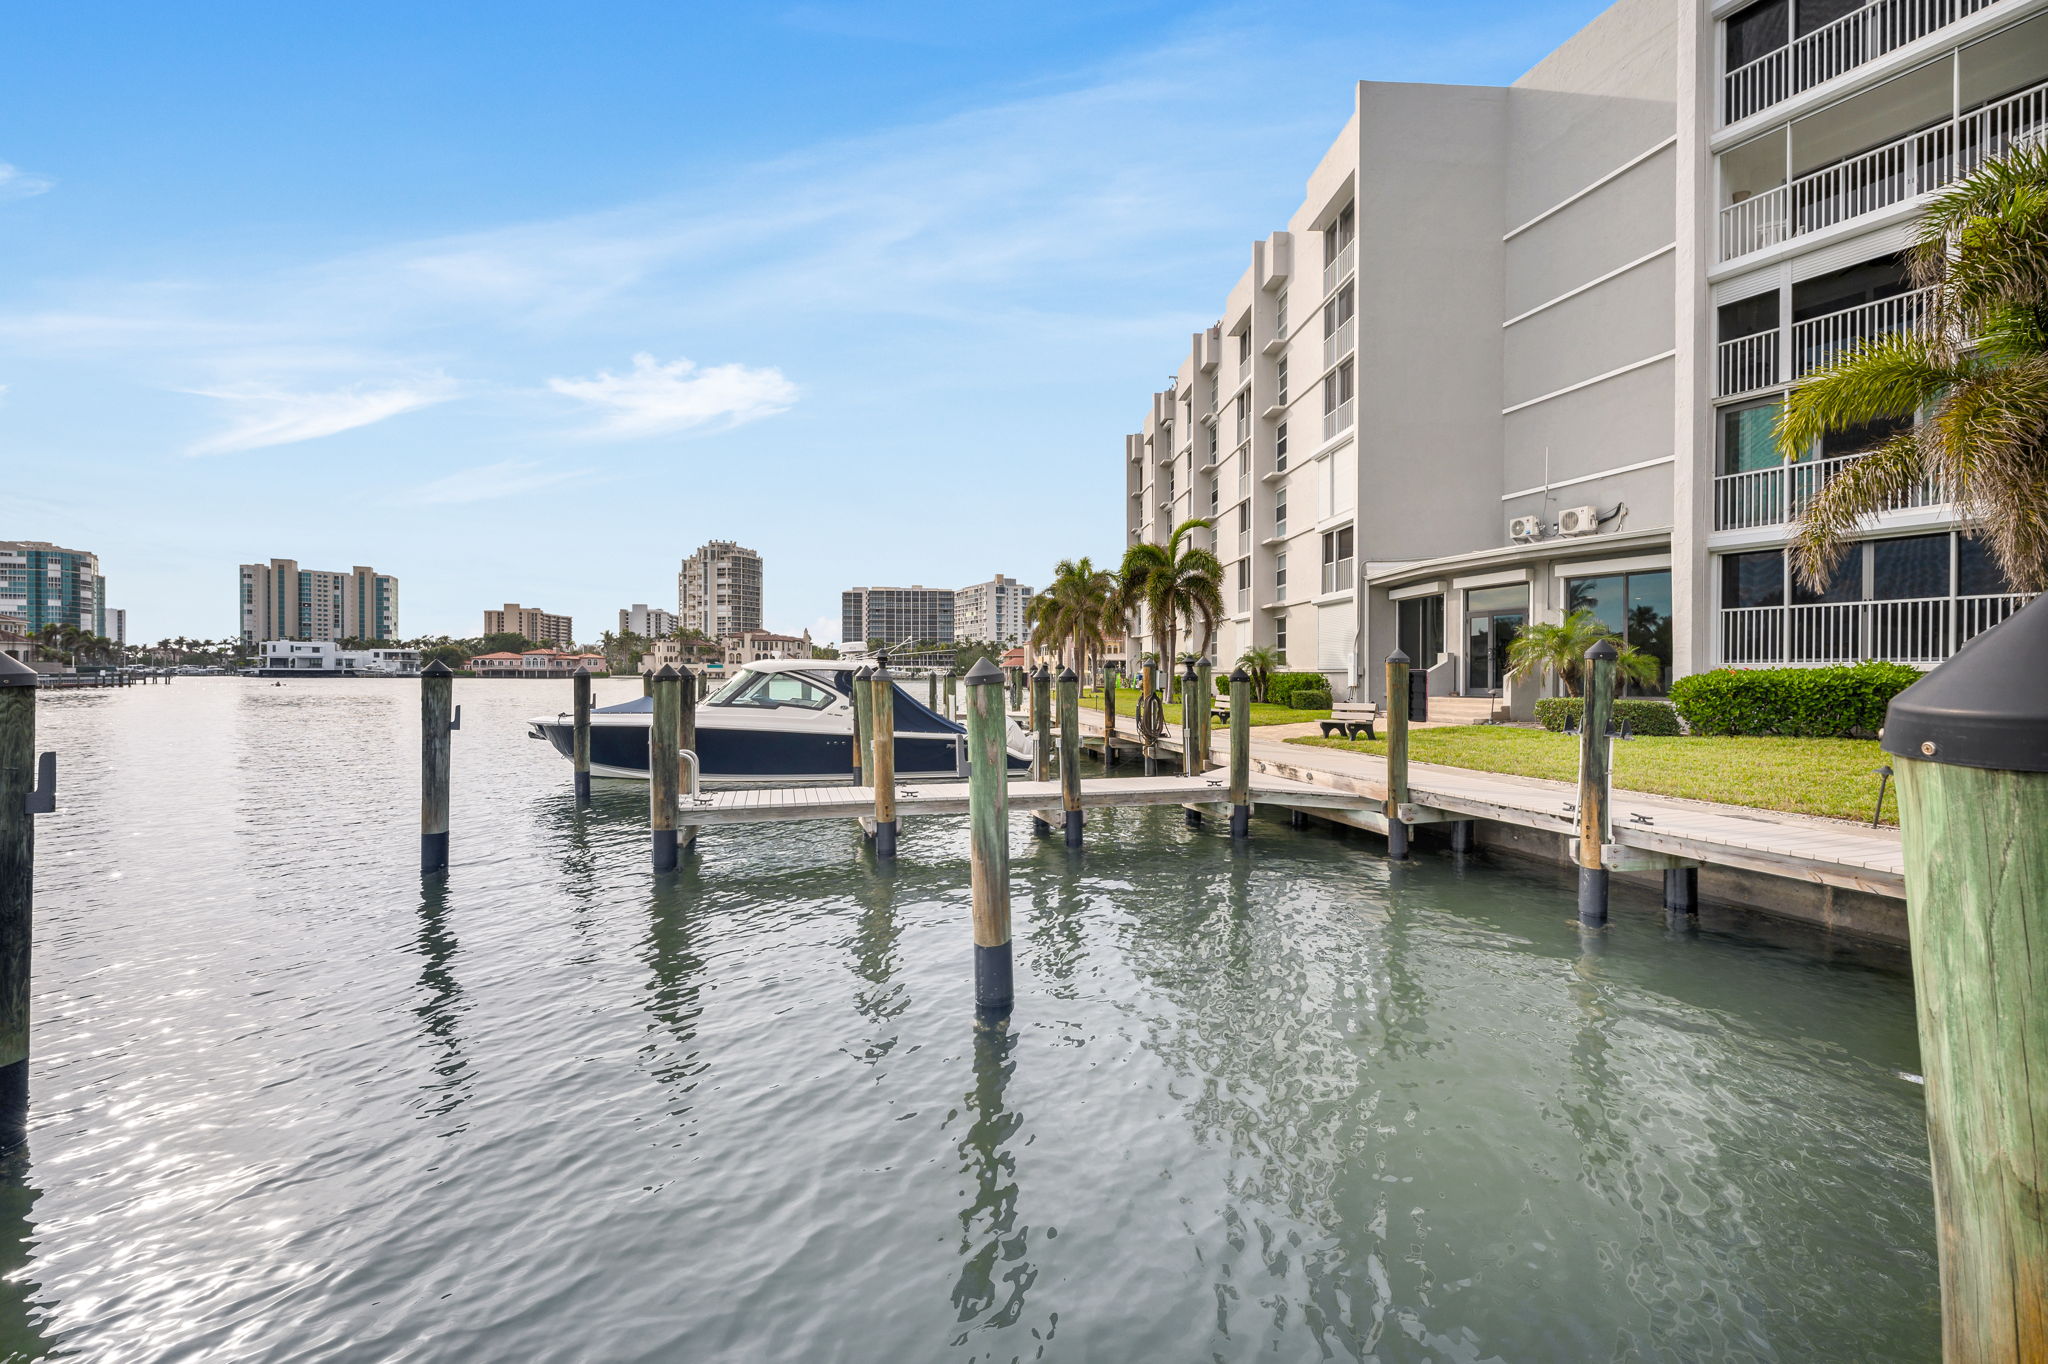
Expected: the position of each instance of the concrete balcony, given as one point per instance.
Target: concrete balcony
(1779, 495)
(1752, 364)
(1919, 630)
(1854, 40)
(1895, 173)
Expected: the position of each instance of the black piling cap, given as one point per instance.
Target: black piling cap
(1603, 652)
(582, 670)
(882, 659)
(1985, 707)
(1069, 675)
(984, 674)
(15, 673)
(437, 669)
(1189, 667)
(880, 672)
(1397, 657)
(1043, 670)
(668, 673)
(1238, 674)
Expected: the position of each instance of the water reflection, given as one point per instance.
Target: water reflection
(673, 999)
(440, 1004)
(994, 1273)
(21, 1315)
(878, 998)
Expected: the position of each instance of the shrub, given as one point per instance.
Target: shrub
(1808, 703)
(1643, 714)
(1308, 698)
(1281, 689)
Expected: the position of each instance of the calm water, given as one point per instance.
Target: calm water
(291, 1105)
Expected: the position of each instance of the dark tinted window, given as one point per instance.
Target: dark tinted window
(1753, 579)
(1916, 566)
(1857, 439)
(1755, 31)
(1864, 283)
(1748, 316)
(1605, 597)
(1746, 438)
(1815, 14)
(1977, 573)
(1845, 584)
(1421, 633)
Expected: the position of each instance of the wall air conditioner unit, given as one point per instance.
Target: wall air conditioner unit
(1524, 528)
(1578, 521)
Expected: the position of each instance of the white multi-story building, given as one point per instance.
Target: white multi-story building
(992, 611)
(280, 600)
(895, 615)
(1519, 350)
(649, 622)
(325, 656)
(719, 590)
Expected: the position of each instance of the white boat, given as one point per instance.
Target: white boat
(783, 722)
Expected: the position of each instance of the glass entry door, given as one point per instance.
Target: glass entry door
(1494, 616)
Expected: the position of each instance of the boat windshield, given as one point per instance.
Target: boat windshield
(770, 690)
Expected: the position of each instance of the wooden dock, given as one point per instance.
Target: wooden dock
(768, 805)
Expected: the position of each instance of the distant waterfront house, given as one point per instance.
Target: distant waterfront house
(751, 646)
(324, 656)
(535, 663)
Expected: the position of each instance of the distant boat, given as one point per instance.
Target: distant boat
(781, 721)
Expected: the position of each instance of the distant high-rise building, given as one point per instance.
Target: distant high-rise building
(649, 622)
(536, 624)
(895, 614)
(992, 611)
(48, 585)
(280, 600)
(117, 625)
(719, 590)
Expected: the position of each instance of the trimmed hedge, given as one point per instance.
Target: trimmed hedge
(1644, 715)
(1806, 703)
(1282, 689)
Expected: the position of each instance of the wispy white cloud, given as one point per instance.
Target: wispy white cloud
(487, 482)
(657, 399)
(266, 415)
(16, 183)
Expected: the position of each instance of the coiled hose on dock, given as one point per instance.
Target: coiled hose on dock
(1151, 718)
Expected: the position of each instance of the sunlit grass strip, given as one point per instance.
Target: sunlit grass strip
(1832, 777)
(1263, 713)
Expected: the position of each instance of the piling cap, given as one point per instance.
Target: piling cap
(1044, 670)
(1069, 675)
(1398, 656)
(668, 673)
(15, 673)
(1189, 665)
(1603, 652)
(582, 670)
(984, 674)
(881, 673)
(1238, 674)
(1986, 707)
(437, 669)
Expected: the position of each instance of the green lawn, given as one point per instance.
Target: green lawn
(1804, 776)
(1262, 713)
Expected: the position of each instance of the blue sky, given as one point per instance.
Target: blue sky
(523, 301)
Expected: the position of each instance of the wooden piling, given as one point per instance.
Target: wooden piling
(931, 689)
(664, 766)
(882, 756)
(1041, 724)
(437, 723)
(1461, 835)
(952, 697)
(1682, 890)
(1397, 753)
(1190, 744)
(862, 700)
(579, 752)
(1969, 746)
(1595, 750)
(1109, 717)
(1070, 754)
(988, 818)
(1148, 691)
(20, 802)
(1205, 716)
(686, 740)
(1240, 753)
(1016, 687)
(646, 682)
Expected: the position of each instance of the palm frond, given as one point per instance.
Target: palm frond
(1887, 378)
(1885, 477)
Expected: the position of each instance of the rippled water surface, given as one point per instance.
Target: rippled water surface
(292, 1104)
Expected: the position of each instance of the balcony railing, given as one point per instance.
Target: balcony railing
(1915, 164)
(1334, 272)
(1779, 495)
(1338, 343)
(1338, 418)
(1749, 364)
(1860, 36)
(1909, 630)
(1244, 601)
(1337, 575)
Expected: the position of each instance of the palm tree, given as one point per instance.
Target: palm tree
(1975, 374)
(1074, 616)
(1560, 651)
(1174, 582)
(1261, 663)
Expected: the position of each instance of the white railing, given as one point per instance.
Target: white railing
(1819, 340)
(1338, 343)
(1860, 36)
(1337, 575)
(1334, 272)
(1244, 600)
(1746, 364)
(1749, 364)
(1913, 165)
(1908, 630)
(1339, 419)
(1780, 494)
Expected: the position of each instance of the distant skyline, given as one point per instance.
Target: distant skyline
(525, 304)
